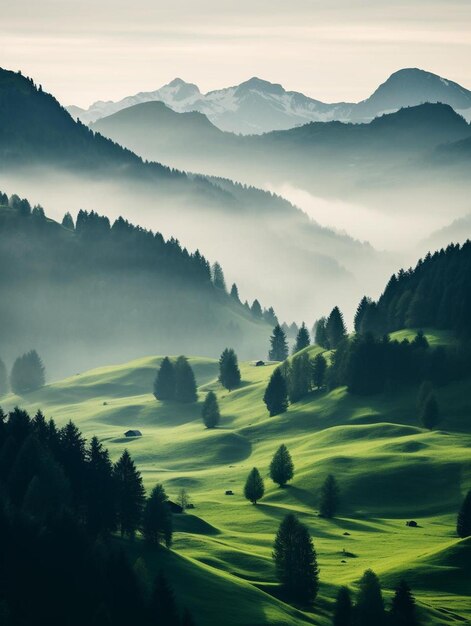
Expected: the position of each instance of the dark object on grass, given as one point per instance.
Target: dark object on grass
(133, 433)
(343, 561)
(412, 524)
(190, 506)
(259, 363)
(229, 493)
(174, 507)
(346, 534)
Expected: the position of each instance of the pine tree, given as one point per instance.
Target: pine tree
(335, 328)
(319, 370)
(130, 494)
(302, 339)
(67, 221)
(229, 373)
(403, 611)
(157, 518)
(235, 293)
(281, 466)
(276, 394)
(256, 310)
(28, 373)
(430, 415)
(4, 387)
(254, 487)
(163, 608)
(210, 411)
(320, 333)
(296, 560)
(343, 611)
(218, 277)
(463, 522)
(185, 384)
(300, 378)
(40, 428)
(329, 498)
(369, 607)
(100, 501)
(71, 455)
(360, 313)
(165, 383)
(425, 390)
(269, 316)
(278, 345)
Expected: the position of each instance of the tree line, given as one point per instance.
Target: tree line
(61, 501)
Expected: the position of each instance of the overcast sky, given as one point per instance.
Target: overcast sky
(333, 50)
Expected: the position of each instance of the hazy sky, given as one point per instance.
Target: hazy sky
(85, 50)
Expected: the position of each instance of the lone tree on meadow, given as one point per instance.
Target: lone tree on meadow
(254, 488)
(157, 518)
(278, 345)
(185, 384)
(165, 383)
(276, 393)
(229, 373)
(343, 611)
(369, 607)
(329, 498)
(296, 560)
(403, 609)
(463, 522)
(319, 370)
(302, 339)
(335, 328)
(430, 415)
(281, 466)
(210, 411)
(130, 494)
(28, 373)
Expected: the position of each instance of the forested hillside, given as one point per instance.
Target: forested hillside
(114, 287)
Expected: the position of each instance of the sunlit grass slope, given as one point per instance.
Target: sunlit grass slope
(389, 469)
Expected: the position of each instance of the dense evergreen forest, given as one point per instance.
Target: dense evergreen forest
(117, 287)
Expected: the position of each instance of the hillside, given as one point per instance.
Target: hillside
(389, 469)
(99, 291)
(258, 106)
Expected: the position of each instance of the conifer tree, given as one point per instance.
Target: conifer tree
(130, 494)
(329, 497)
(28, 373)
(425, 390)
(302, 339)
(100, 501)
(276, 394)
(210, 411)
(218, 277)
(254, 488)
(300, 378)
(157, 518)
(335, 328)
(229, 373)
(319, 370)
(360, 313)
(463, 522)
(165, 383)
(71, 455)
(256, 309)
(369, 606)
(430, 415)
(269, 316)
(320, 333)
(68, 222)
(235, 293)
(403, 611)
(185, 383)
(4, 387)
(281, 466)
(40, 428)
(296, 560)
(278, 345)
(343, 611)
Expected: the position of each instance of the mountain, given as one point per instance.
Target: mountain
(99, 290)
(267, 245)
(257, 106)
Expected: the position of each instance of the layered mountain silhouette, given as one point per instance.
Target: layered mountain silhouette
(258, 106)
(267, 245)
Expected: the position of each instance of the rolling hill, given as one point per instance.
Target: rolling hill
(389, 468)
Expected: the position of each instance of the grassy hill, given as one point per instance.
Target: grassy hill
(389, 469)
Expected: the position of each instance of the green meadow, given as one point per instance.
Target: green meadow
(390, 470)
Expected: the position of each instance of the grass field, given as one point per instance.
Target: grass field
(389, 469)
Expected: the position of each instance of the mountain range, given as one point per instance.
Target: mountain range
(258, 106)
